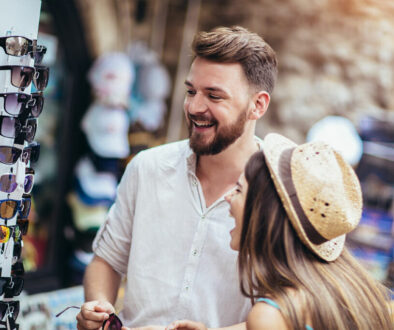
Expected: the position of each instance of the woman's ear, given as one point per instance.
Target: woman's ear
(261, 101)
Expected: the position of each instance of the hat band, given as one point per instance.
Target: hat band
(285, 176)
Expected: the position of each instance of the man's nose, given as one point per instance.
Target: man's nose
(197, 104)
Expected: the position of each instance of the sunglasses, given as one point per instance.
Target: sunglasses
(112, 323)
(15, 103)
(22, 76)
(9, 207)
(12, 127)
(11, 286)
(9, 155)
(16, 46)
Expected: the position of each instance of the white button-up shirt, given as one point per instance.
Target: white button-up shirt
(174, 250)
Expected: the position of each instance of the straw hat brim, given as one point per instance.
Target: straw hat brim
(274, 146)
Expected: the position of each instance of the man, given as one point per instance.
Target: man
(168, 230)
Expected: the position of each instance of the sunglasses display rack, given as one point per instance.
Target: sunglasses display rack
(22, 81)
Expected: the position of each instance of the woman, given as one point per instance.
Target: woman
(292, 209)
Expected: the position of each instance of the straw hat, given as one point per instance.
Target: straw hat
(319, 191)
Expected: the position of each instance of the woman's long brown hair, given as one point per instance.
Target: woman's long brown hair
(274, 263)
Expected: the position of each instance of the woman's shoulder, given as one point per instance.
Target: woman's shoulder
(264, 317)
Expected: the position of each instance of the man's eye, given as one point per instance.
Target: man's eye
(190, 92)
(214, 97)
(237, 190)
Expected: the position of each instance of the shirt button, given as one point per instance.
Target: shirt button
(194, 252)
(203, 217)
(186, 288)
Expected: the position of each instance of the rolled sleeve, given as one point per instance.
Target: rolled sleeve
(112, 242)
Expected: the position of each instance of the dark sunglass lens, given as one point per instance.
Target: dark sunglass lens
(112, 323)
(3, 284)
(17, 46)
(25, 208)
(8, 183)
(42, 80)
(23, 226)
(18, 269)
(29, 178)
(30, 128)
(11, 104)
(3, 309)
(38, 105)
(34, 153)
(39, 54)
(21, 76)
(9, 155)
(14, 309)
(7, 128)
(38, 57)
(14, 287)
(17, 250)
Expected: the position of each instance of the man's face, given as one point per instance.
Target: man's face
(216, 105)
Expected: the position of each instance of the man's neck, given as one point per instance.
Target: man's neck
(219, 173)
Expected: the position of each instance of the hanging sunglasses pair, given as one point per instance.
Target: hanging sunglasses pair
(12, 127)
(22, 76)
(15, 103)
(9, 207)
(9, 155)
(8, 182)
(20, 46)
(11, 286)
(112, 323)
(16, 45)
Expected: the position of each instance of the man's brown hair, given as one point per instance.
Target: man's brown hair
(238, 45)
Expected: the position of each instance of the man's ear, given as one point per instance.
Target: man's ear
(260, 101)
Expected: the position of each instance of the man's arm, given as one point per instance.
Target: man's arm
(101, 284)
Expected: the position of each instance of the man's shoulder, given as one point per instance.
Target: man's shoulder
(165, 150)
(169, 153)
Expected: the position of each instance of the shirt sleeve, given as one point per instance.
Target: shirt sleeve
(112, 241)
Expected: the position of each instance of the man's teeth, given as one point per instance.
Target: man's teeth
(203, 124)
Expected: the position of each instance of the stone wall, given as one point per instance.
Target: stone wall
(335, 57)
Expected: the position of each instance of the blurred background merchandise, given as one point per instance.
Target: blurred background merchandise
(336, 59)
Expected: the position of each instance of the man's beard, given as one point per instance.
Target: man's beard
(224, 136)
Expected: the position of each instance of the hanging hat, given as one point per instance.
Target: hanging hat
(97, 185)
(106, 130)
(319, 191)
